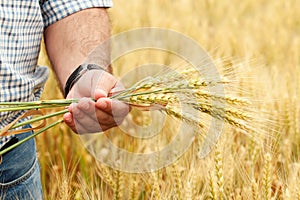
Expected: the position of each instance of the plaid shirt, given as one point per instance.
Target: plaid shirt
(22, 26)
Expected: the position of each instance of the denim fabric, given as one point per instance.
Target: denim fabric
(20, 173)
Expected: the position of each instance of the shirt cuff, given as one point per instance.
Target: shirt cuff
(53, 10)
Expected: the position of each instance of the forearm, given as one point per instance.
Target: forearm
(70, 41)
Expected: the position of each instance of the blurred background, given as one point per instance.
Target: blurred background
(262, 39)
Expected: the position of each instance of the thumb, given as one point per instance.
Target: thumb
(99, 93)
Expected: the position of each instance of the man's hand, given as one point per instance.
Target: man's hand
(89, 116)
(69, 43)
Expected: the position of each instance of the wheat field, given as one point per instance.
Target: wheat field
(261, 40)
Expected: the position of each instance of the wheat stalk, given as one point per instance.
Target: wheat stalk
(178, 182)
(133, 191)
(267, 177)
(219, 173)
(183, 95)
(254, 190)
(212, 188)
(119, 189)
(105, 174)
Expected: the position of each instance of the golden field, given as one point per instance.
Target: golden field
(261, 39)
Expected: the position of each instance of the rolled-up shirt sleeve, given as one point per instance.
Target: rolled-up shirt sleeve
(55, 10)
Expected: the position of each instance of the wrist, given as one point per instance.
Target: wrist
(77, 74)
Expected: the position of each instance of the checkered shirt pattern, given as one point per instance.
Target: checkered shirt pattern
(22, 24)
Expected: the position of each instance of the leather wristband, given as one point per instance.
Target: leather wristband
(77, 74)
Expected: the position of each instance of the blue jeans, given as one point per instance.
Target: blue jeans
(20, 173)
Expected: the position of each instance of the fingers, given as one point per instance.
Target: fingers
(117, 109)
(68, 119)
(113, 107)
(81, 127)
(86, 117)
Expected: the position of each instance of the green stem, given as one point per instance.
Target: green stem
(13, 106)
(8, 109)
(29, 137)
(40, 118)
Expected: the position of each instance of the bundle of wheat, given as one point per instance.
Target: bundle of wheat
(183, 94)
